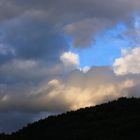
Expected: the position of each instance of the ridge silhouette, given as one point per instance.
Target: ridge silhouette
(115, 120)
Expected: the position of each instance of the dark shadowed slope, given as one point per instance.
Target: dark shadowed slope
(116, 120)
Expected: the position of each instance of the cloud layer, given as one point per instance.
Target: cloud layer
(38, 70)
(74, 91)
(79, 19)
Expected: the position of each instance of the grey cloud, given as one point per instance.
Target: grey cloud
(83, 32)
(30, 39)
(64, 13)
(69, 92)
(28, 71)
(78, 8)
(29, 50)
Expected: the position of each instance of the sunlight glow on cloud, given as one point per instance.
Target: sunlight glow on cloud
(73, 91)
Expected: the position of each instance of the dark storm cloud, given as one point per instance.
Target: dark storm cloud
(75, 13)
(29, 50)
(32, 39)
(62, 9)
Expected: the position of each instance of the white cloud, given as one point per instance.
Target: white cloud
(70, 60)
(129, 63)
(85, 69)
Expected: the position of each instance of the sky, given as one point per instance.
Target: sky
(61, 55)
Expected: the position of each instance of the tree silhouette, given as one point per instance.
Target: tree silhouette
(116, 120)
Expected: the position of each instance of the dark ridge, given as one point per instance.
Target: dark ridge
(116, 120)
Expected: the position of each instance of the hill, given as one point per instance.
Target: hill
(116, 120)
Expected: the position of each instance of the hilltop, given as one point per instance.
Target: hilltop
(115, 120)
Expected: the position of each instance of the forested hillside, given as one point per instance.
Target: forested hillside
(116, 120)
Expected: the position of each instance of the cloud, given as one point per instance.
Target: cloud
(61, 93)
(75, 97)
(73, 91)
(82, 20)
(32, 39)
(70, 60)
(26, 71)
(83, 32)
(56, 10)
(85, 69)
(129, 63)
(34, 56)
(30, 50)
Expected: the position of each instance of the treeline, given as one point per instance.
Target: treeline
(116, 120)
